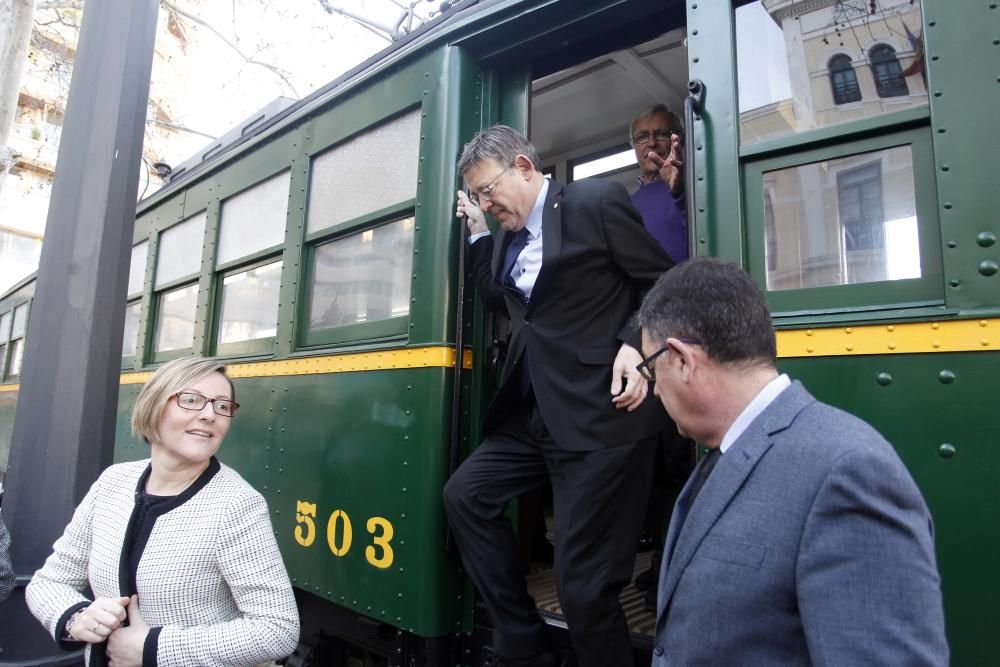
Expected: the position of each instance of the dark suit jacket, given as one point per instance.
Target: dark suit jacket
(808, 545)
(597, 262)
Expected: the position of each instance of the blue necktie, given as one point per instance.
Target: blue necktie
(686, 503)
(517, 244)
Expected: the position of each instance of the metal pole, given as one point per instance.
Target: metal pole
(64, 426)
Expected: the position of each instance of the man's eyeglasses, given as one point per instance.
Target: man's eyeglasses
(646, 367)
(657, 136)
(192, 401)
(486, 192)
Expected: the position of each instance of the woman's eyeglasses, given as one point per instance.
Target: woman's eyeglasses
(192, 401)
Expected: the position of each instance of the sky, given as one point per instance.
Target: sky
(210, 87)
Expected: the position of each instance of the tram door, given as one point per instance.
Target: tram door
(575, 103)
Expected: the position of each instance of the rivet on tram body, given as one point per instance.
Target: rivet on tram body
(892, 346)
(985, 342)
(848, 330)
(809, 332)
(988, 267)
(946, 451)
(946, 376)
(809, 349)
(883, 379)
(849, 348)
(982, 323)
(985, 239)
(936, 344)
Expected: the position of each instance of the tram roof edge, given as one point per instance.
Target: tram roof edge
(458, 17)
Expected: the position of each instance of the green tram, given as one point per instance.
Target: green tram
(839, 151)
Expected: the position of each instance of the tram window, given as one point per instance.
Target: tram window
(254, 219)
(137, 267)
(363, 278)
(606, 164)
(371, 172)
(16, 357)
(175, 319)
(3, 360)
(249, 305)
(5, 320)
(787, 54)
(843, 221)
(179, 253)
(20, 321)
(130, 342)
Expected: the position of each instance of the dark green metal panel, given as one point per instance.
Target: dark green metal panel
(712, 59)
(370, 444)
(936, 410)
(962, 49)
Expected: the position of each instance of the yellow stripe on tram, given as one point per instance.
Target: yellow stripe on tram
(911, 338)
(411, 357)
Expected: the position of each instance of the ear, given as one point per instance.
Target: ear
(524, 166)
(685, 356)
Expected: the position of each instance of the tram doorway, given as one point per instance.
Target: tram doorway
(579, 119)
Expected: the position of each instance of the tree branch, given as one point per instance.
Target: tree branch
(232, 45)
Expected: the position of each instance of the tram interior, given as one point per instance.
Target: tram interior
(579, 117)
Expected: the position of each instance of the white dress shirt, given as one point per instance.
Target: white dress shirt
(759, 403)
(529, 262)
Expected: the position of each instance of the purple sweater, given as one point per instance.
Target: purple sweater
(664, 216)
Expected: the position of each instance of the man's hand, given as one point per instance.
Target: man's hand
(476, 219)
(125, 644)
(672, 167)
(100, 619)
(636, 386)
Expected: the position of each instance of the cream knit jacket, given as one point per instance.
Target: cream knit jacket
(210, 577)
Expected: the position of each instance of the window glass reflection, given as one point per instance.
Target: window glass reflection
(130, 342)
(254, 219)
(20, 321)
(249, 308)
(364, 277)
(3, 361)
(16, 359)
(803, 66)
(175, 319)
(843, 221)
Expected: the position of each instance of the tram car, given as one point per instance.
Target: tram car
(841, 152)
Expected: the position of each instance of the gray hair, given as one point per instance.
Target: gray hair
(500, 143)
(675, 121)
(717, 303)
(168, 379)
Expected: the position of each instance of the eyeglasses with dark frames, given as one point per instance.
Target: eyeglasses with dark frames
(192, 401)
(658, 135)
(486, 192)
(646, 367)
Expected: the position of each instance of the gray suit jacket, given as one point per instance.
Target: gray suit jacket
(808, 545)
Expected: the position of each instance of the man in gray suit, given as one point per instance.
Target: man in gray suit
(809, 543)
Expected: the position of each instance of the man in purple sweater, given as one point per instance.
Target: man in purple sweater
(655, 135)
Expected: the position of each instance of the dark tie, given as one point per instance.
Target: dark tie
(517, 244)
(686, 503)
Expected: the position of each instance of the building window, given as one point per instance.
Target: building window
(843, 80)
(889, 80)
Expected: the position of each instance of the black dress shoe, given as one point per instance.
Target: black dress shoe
(546, 659)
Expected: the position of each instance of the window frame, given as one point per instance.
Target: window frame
(853, 88)
(253, 346)
(390, 329)
(156, 356)
(129, 361)
(889, 295)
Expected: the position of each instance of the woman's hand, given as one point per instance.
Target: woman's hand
(100, 619)
(125, 644)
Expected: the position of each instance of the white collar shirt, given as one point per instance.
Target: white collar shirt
(759, 403)
(529, 262)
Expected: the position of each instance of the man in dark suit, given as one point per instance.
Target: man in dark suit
(800, 539)
(568, 266)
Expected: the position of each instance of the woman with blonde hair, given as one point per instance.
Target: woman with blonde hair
(178, 549)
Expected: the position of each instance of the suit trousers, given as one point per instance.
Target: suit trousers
(599, 501)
